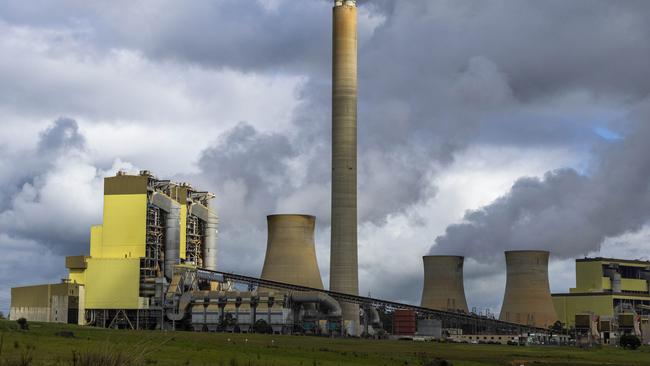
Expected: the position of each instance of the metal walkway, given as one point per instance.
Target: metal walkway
(473, 322)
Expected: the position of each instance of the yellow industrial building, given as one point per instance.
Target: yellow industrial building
(58, 303)
(606, 288)
(149, 226)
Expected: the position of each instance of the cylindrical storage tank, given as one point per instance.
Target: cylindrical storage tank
(443, 287)
(404, 322)
(527, 299)
(291, 252)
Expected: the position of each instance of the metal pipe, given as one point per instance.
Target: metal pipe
(373, 316)
(181, 310)
(172, 230)
(209, 216)
(615, 278)
(333, 307)
(210, 246)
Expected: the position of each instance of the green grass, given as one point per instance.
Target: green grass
(114, 348)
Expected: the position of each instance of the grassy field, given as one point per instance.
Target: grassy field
(48, 346)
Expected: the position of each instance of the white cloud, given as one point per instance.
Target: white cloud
(160, 114)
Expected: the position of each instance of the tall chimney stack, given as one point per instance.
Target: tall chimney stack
(344, 271)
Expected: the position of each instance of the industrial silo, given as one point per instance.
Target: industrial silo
(291, 252)
(527, 299)
(443, 287)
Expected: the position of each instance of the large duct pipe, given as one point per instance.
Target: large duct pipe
(172, 230)
(291, 252)
(187, 298)
(443, 287)
(210, 248)
(373, 316)
(180, 311)
(324, 300)
(344, 270)
(615, 278)
(527, 299)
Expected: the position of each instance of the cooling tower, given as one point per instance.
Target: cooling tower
(343, 256)
(290, 251)
(527, 299)
(443, 283)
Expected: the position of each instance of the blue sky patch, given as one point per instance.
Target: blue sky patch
(607, 134)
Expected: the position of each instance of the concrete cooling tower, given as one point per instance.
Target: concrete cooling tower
(443, 283)
(291, 252)
(527, 299)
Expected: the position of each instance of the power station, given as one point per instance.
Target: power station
(152, 264)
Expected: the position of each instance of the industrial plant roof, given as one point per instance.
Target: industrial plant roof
(601, 259)
(611, 294)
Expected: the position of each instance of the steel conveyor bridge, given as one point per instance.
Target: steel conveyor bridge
(476, 323)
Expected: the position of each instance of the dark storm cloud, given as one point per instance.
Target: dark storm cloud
(243, 35)
(543, 46)
(436, 77)
(64, 134)
(249, 171)
(565, 212)
(255, 161)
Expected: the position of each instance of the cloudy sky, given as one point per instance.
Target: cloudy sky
(484, 126)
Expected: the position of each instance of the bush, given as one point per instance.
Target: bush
(2, 315)
(629, 341)
(22, 323)
(437, 362)
(261, 326)
(25, 358)
(111, 355)
(65, 334)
